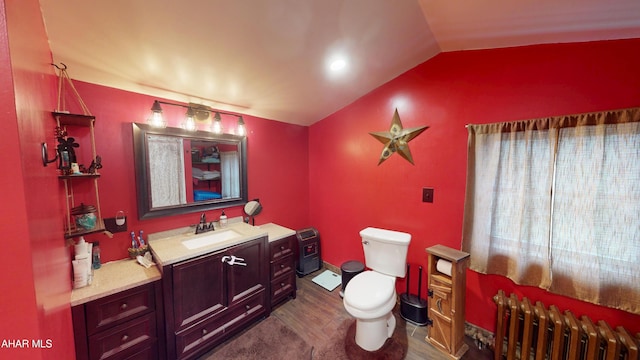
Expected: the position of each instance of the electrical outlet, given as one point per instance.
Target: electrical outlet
(427, 195)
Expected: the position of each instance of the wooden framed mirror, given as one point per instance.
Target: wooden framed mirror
(180, 171)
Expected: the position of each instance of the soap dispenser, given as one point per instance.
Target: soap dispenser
(223, 219)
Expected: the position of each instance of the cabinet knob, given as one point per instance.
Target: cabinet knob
(281, 266)
(281, 247)
(124, 306)
(247, 307)
(282, 284)
(204, 332)
(125, 337)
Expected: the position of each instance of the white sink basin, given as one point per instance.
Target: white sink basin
(210, 239)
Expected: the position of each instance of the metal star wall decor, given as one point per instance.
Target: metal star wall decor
(397, 139)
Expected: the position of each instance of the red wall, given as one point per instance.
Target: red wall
(349, 191)
(35, 264)
(18, 293)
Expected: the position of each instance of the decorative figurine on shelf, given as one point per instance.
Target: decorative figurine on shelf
(66, 152)
(95, 165)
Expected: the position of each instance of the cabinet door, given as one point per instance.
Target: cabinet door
(440, 331)
(244, 281)
(198, 289)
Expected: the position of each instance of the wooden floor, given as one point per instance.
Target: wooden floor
(316, 313)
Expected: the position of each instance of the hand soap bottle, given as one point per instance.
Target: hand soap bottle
(223, 220)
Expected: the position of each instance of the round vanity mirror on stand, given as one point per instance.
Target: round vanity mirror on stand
(252, 208)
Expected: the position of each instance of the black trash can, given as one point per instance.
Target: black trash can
(350, 269)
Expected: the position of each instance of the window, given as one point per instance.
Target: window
(555, 203)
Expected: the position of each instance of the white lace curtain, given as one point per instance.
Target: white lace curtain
(166, 171)
(555, 203)
(230, 174)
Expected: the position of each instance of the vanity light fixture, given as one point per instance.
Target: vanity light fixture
(156, 118)
(195, 112)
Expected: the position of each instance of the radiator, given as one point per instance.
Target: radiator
(534, 332)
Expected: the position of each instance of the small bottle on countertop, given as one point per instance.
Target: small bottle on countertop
(81, 265)
(134, 242)
(223, 219)
(95, 258)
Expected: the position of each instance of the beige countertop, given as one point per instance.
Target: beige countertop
(168, 247)
(114, 277)
(275, 231)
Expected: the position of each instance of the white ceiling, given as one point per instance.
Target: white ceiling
(267, 58)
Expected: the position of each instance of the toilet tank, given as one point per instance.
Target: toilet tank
(385, 251)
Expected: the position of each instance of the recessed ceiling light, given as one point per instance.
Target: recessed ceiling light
(338, 64)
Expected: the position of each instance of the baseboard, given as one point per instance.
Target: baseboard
(482, 337)
(335, 269)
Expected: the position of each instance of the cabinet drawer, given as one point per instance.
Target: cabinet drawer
(281, 248)
(200, 335)
(241, 314)
(215, 328)
(282, 286)
(117, 308)
(281, 266)
(124, 341)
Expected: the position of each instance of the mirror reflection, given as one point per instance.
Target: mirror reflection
(179, 171)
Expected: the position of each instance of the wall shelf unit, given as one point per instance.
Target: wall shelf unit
(86, 183)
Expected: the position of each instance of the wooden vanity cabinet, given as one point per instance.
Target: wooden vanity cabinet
(282, 272)
(207, 300)
(120, 326)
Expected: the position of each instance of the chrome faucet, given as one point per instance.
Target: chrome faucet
(203, 227)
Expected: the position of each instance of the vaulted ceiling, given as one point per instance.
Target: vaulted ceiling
(270, 58)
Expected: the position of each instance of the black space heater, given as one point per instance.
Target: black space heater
(412, 307)
(309, 259)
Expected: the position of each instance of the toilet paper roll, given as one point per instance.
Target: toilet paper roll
(444, 266)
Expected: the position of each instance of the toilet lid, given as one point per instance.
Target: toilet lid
(369, 290)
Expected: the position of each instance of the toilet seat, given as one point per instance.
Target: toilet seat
(370, 290)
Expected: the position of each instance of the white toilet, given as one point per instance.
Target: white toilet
(371, 295)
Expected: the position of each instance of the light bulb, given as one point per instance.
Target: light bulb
(217, 124)
(242, 131)
(189, 121)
